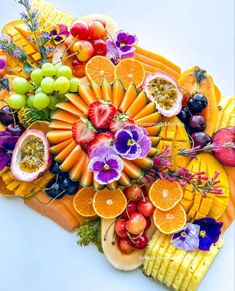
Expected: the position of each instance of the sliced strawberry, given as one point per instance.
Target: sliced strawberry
(119, 121)
(104, 139)
(83, 131)
(101, 114)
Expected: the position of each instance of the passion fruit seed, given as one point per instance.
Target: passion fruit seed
(32, 154)
(164, 92)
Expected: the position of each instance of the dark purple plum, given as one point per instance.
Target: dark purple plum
(201, 139)
(6, 115)
(197, 103)
(197, 123)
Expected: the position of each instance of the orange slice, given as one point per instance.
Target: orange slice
(130, 70)
(165, 194)
(82, 202)
(109, 203)
(99, 68)
(170, 221)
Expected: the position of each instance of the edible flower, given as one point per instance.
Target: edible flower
(7, 144)
(59, 33)
(122, 46)
(132, 142)
(210, 231)
(188, 238)
(106, 165)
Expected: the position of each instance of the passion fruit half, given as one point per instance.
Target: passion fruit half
(164, 91)
(31, 156)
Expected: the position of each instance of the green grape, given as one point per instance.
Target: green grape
(53, 102)
(62, 85)
(39, 90)
(30, 101)
(41, 101)
(49, 70)
(47, 85)
(58, 65)
(37, 76)
(64, 71)
(74, 83)
(16, 101)
(20, 85)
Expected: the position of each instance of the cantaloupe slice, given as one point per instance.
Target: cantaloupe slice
(78, 168)
(148, 120)
(69, 107)
(78, 102)
(143, 163)
(87, 176)
(60, 146)
(118, 93)
(113, 185)
(64, 116)
(124, 180)
(57, 124)
(71, 159)
(57, 136)
(97, 90)
(132, 170)
(65, 152)
(147, 110)
(106, 91)
(128, 98)
(86, 94)
(140, 102)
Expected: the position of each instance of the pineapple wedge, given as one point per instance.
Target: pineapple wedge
(205, 264)
(165, 262)
(147, 257)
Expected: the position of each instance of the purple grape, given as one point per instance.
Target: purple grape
(197, 123)
(184, 115)
(201, 139)
(6, 115)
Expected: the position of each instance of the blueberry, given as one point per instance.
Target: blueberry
(184, 114)
(197, 123)
(69, 186)
(55, 168)
(197, 103)
(53, 189)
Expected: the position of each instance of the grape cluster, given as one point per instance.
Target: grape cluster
(48, 84)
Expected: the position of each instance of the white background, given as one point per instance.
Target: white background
(38, 255)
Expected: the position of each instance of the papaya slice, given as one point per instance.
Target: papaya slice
(57, 124)
(57, 136)
(140, 102)
(65, 152)
(77, 101)
(128, 98)
(147, 110)
(67, 200)
(132, 171)
(64, 116)
(106, 90)
(60, 146)
(71, 159)
(197, 80)
(118, 93)
(86, 94)
(69, 107)
(78, 168)
(96, 89)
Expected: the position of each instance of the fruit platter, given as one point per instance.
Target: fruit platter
(116, 144)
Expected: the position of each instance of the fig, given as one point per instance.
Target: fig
(225, 140)
(31, 156)
(164, 91)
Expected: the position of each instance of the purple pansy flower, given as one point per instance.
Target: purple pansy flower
(59, 33)
(132, 142)
(106, 165)
(121, 46)
(7, 144)
(210, 231)
(188, 238)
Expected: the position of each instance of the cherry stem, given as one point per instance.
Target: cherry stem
(106, 233)
(133, 239)
(71, 44)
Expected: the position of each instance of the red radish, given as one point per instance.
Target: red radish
(120, 228)
(105, 139)
(225, 154)
(83, 131)
(101, 114)
(125, 245)
(119, 121)
(145, 207)
(136, 224)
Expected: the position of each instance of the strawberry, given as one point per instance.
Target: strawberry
(104, 139)
(101, 114)
(119, 121)
(83, 131)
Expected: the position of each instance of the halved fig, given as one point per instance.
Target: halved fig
(31, 156)
(164, 91)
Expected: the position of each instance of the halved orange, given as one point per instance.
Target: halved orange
(130, 70)
(165, 194)
(170, 221)
(99, 68)
(109, 203)
(82, 202)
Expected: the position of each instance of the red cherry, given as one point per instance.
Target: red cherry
(131, 208)
(97, 30)
(133, 193)
(125, 245)
(148, 223)
(120, 228)
(80, 30)
(101, 20)
(146, 207)
(79, 70)
(136, 224)
(100, 47)
(140, 242)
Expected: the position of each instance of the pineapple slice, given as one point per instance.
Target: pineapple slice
(148, 251)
